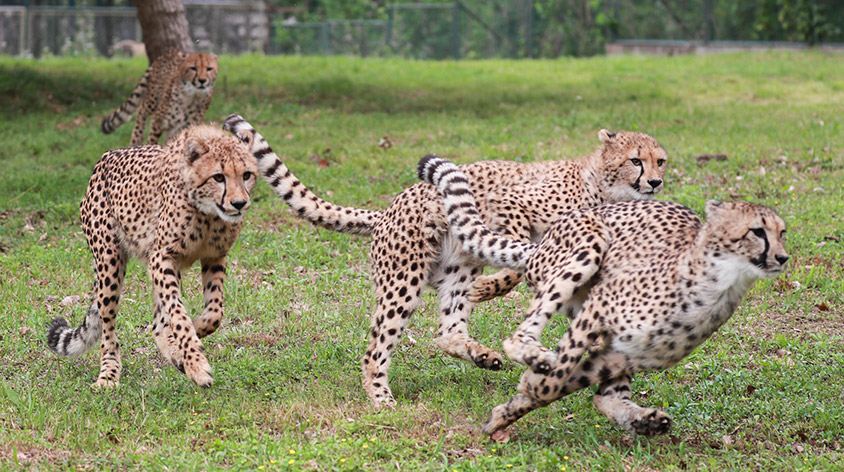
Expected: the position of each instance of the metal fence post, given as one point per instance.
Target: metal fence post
(324, 42)
(388, 34)
(455, 30)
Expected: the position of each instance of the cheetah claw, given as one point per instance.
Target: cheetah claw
(654, 423)
(488, 361)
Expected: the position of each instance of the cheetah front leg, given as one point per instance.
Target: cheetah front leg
(613, 400)
(579, 264)
(187, 346)
(157, 129)
(164, 339)
(213, 276)
(145, 110)
(537, 390)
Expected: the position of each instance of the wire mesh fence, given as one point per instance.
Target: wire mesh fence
(432, 30)
(219, 26)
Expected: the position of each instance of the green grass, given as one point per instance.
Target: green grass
(765, 392)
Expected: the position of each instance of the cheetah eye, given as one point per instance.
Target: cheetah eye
(782, 234)
(247, 175)
(660, 162)
(193, 68)
(759, 232)
(636, 162)
(209, 69)
(219, 178)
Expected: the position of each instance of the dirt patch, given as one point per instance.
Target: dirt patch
(27, 454)
(823, 318)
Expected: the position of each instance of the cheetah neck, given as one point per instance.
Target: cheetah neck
(592, 170)
(714, 282)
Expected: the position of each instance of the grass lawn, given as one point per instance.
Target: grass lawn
(765, 392)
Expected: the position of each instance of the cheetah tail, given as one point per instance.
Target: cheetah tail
(463, 218)
(300, 198)
(125, 111)
(67, 341)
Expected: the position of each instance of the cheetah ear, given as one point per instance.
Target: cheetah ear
(194, 149)
(713, 207)
(605, 136)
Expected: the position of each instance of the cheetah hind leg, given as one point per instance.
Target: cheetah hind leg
(613, 400)
(455, 309)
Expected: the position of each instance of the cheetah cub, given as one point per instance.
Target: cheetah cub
(169, 207)
(688, 277)
(411, 247)
(175, 91)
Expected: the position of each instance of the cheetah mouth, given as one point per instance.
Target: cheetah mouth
(225, 214)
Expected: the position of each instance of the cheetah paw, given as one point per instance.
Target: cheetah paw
(537, 358)
(651, 423)
(482, 289)
(489, 360)
(198, 370)
(105, 384)
(386, 402)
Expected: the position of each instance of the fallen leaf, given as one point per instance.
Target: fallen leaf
(501, 436)
(69, 300)
(822, 306)
(749, 390)
(385, 143)
(25, 330)
(69, 125)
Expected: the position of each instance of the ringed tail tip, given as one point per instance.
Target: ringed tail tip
(54, 331)
(232, 121)
(427, 166)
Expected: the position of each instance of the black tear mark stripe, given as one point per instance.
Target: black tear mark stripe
(637, 184)
(762, 260)
(300, 198)
(464, 219)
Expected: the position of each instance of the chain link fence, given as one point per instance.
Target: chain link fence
(216, 25)
(445, 30)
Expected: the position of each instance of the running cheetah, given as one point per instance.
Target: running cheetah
(167, 206)
(411, 247)
(175, 90)
(688, 277)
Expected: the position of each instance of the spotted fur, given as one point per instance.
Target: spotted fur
(411, 247)
(644, 282)
(175, 91)
(169, 207)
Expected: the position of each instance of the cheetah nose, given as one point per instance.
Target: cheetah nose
(781, 259)
(239, 204)
(655, 183)
(202, 81)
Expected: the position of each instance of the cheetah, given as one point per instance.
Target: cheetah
(167, 206)
(411, 247)
(176, 91)
(688, 277)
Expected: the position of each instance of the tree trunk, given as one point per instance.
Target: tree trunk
(164, 26)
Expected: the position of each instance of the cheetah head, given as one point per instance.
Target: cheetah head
(633, 165)
(219, 172)
(198, 71)
(752, 235)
